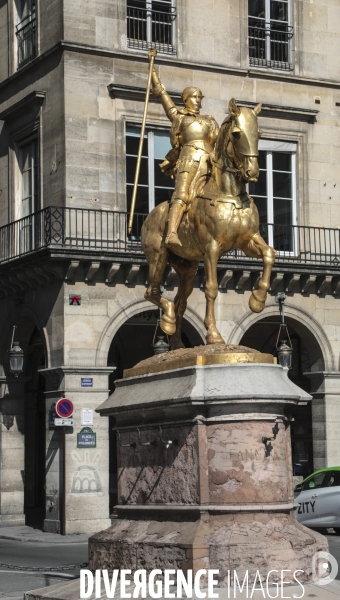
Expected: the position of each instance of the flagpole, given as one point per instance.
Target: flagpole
(152, 55)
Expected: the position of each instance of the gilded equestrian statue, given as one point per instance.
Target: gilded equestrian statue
(210, 212)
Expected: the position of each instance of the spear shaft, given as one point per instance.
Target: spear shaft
(153, 55)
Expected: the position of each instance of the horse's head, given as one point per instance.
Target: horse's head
(242, 138)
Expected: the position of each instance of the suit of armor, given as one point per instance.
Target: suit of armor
(193, 137)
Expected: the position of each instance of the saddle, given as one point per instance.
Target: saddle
(213, 194)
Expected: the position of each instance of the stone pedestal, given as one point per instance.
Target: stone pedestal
(204, 473)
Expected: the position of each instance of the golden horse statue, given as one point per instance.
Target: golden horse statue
(221, 217)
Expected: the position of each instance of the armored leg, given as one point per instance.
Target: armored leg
(175, 216)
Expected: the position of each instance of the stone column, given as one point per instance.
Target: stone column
(87, 469)
(12, 451)
(326, 418)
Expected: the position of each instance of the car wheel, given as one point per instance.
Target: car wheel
(337, 530)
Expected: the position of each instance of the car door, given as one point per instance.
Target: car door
(329, 501)
(307, 512)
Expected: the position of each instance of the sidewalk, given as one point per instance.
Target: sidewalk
(24, 533)
(71, 591)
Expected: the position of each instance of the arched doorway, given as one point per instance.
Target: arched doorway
(131, 344)
(307, 357)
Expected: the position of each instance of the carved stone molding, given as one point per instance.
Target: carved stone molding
(274, 111)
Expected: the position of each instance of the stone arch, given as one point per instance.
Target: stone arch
(300, 317)
(125, 313)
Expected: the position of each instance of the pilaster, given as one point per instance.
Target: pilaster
(325, 417)
(87, 469)
(12, 451)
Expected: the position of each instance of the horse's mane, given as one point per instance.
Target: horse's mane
(222, 138)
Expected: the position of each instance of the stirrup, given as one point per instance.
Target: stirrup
(172, 239)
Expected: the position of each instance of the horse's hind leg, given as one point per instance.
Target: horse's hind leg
(254, 248)
(186, 271)
(157, 263)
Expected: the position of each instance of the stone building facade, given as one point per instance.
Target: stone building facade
(72, 86)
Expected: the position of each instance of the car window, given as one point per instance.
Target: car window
(334, 479)
(316, 481)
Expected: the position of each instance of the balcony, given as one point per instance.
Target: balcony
(150, 24)
(26, 40)
(308, 257)
(269, 44)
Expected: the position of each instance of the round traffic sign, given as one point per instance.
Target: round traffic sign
(64, 408)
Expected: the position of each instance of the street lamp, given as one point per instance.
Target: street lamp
(16, 357)
(283, 348)
(161, 345)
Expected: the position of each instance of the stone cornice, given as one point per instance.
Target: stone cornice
(43, 267)
(290, 113)
(129, 92)
(36, 98)
(131, 56)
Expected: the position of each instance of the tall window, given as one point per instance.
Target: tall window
(26, 32)
(29, 193)
(150, 23)
(270, 33)
(153, 186)
(275, 194)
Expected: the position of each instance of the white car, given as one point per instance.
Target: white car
(319, 499)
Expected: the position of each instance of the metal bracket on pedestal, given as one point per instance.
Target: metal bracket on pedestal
(133, 444)
(153, 443)
(275, 431)
(166, 442)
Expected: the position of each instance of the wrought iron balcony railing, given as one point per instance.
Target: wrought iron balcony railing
(26, 39)
(150, 24)
(269, 44)
(89, 231)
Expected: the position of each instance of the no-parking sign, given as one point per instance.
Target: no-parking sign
(64, 408)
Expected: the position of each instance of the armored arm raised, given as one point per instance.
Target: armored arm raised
(160, 92)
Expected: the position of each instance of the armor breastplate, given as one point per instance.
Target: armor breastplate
(195, 129)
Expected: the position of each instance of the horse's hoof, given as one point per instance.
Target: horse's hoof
(214, 339)
(167, 325)
(255, 305)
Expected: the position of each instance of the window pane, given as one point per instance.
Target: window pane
(162, 144)
(256, 8)
(26, 207)
(334, 479)
(283, 212)
(26, 184)
(317, 481)
(162, 180)
(142, 200)
(162, 194)
(282, 161)
(25, 158)
(136, 20)
(132, 143)
(261, 204)
(262, 159)
(259, 188)
(279, 11)
(282, 185)
(131, 169)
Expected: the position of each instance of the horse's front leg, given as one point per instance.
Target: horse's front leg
(211, 289)
(157, 264)
(257, 247)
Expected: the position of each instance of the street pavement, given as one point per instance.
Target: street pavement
(30, 548)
